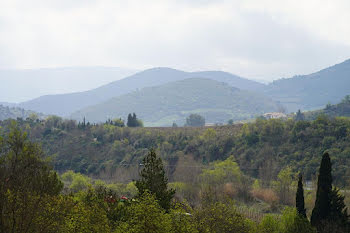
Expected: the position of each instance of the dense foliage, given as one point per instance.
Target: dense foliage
(32, 201)
(261, 149)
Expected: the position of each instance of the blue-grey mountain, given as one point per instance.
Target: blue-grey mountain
(173, 102)
(65, 104)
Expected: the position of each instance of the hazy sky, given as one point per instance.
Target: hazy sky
(259, 39)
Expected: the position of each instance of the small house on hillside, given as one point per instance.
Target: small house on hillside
(274, 115)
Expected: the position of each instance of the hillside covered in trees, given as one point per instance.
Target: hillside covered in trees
(261, 148)
(172, 102)
(313, 91)
(331, 110)
(15, 112)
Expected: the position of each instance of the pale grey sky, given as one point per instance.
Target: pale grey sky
(258, 39)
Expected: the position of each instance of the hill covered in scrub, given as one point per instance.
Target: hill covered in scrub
(173, 102)
(261, 149)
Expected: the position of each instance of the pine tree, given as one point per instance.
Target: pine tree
(299, 200)
(322, 207)
(153, 179)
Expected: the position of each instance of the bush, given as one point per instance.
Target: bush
(219, 217)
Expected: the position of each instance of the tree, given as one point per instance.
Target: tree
(299, 200)
(133, 121)
(195, 120)
(27, 184)
(283, 185)
(299, 116)
(322, 207)
(146, 215)
(129, 123)
(230, 122)
(346, 99)
(219, 217)
(330, 211)
(339, 217)
(153, 179)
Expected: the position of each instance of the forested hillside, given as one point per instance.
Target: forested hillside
(173, 102)
(261, 149)
(313, 91)
(15, 112)
(331, 110)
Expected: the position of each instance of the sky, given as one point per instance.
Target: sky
(257, 39)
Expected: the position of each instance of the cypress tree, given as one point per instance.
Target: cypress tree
(134, 119)
(299, 116)
(129, 122)
(153, 179)
(322, 208)
(299, 200)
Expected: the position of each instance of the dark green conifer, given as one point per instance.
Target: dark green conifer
(299, 200)
(129, 122)
(153, 179)
(322, 207)
(299, 116)
(339, 212)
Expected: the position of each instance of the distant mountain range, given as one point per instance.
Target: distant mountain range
(21, 85)
(173, 102)
(312, 91)
(305, 92)
(65, 104)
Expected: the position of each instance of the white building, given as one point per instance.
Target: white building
(274, 115)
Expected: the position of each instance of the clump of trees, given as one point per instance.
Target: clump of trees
(330, 213)
(195, 120)
(116, 122)
(133, 121)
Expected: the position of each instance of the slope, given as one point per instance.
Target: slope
(172, 102)
(312, 91)
(65, 104)
(341, 109)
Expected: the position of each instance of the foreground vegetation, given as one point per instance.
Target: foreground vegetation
(32, 199)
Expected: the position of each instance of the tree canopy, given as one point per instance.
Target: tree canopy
(195, 120)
